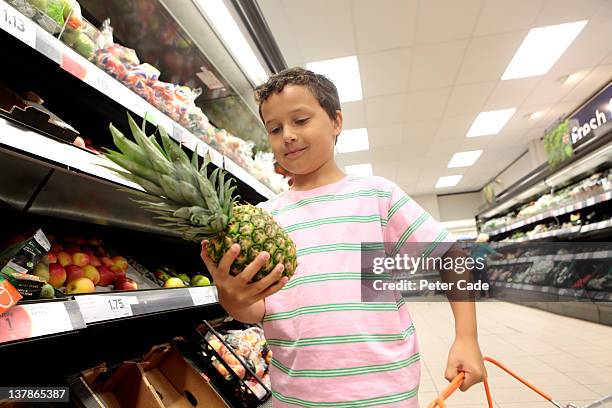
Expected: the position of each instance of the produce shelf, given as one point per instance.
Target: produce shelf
(43, 318)
(555, 212)
(562, 257)
(44, 44)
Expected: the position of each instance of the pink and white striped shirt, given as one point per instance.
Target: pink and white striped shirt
(330, 348)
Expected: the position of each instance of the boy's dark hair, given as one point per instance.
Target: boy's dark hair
(322, 88)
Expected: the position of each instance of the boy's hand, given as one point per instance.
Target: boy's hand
(235, 292)
(465, 356)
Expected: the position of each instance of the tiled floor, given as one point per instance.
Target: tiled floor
(569, 359)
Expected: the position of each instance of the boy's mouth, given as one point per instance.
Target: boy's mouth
(295, 153)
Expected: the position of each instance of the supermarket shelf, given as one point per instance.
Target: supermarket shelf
(561, 292)
(71, 62)
(39, 319)
(563, 233)
(562, 257)
(591, 201)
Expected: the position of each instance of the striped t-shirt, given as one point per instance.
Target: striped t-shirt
(331, 349)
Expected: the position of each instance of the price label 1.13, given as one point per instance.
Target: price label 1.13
(16, 24)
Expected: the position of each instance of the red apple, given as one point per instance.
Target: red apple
(106, 261)
(56, 247)
(107, 276)
(74, 272)
(120, 262)
(72, 249)
(57, 275)
(80, 285)
(92, 273)
(64, 258)
(120, 275)
(52, 257)
(80, 259)
(93, 260)
(125, 284)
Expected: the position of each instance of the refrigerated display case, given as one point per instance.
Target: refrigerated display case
(55, 180)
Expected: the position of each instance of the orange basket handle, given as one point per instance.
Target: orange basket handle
(458, 380)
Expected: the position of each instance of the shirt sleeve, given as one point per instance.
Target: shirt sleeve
(407, 226)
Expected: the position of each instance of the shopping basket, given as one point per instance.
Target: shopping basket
(439, 402)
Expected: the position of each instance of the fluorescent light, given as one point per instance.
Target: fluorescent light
(490, 123)
(541, 48)
(361, 170)
(344, 73)
(353, 140)
(464, 159)
(220, 18)
(448, 181)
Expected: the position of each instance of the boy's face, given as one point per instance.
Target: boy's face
(301, 133)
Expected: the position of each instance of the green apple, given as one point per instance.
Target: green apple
(200, 280)
(174, 283)
(184, 277)
(47, 292)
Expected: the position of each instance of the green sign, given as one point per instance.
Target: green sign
(558, 144)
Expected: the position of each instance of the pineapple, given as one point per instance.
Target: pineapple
(185, 199)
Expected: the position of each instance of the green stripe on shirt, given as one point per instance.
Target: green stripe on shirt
(441, 237)
(333, 220)
(354, 338)
(341, 246)
(335, 307)
(347, 371)
(332, 197)
(363, 403)
(395, 207)
(409, 231)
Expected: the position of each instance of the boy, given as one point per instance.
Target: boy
(331, 349)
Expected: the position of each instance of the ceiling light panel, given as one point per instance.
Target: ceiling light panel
(541, 48)
(344, 73)
(490, 123)
(353, 140)
(448, 181)
(464, 159)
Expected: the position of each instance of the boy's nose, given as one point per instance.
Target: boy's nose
(289, 136)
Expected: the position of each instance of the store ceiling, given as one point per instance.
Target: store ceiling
(429, 67)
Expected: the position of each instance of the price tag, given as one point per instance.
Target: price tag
(17, 25)
(95, 308)
(39, 319)
(71, 64)
(204, 295)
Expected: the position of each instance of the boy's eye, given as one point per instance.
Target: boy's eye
(274, 130)
(302, 121)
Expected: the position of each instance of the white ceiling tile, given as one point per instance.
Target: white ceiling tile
(420, 133)
(565, 11)
(436, 65)
(521, 120)
(335, 41)
(467, 99)
(454, 127)
(353, 115)
(389, 135)
(384, 73)
(548, 91)
(382, 24)
(386, 110)
(426, 104)
(386, 169)
(500, 16)
(607, 60)
(486, 57)
(588, 49)
(282, 30)
(593, 82)
(511, 93)
(437, 20)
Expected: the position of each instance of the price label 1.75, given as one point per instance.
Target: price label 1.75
(95, 308)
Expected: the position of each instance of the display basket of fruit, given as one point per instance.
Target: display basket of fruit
(235, 358)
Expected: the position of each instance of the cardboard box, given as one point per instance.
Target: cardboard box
(163, 379)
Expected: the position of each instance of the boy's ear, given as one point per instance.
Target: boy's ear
(338, 123)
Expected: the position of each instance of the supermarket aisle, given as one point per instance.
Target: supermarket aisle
(568, 358)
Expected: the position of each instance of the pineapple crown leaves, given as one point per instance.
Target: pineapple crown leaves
(186, 198)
